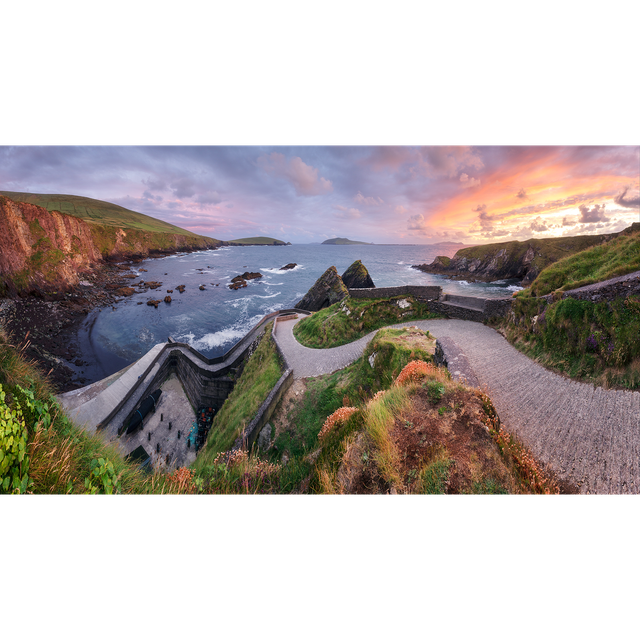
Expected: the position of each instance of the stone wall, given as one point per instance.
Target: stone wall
(452, 311)
(418, 292)
(247, 439)
(620, 287)
(497, 307)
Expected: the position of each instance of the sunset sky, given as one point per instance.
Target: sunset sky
(402, 194)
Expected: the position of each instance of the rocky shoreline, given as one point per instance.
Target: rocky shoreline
(49, 322)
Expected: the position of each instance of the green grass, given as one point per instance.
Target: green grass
(353, 318)
(591, 341)
(98, 212)
(586, 340)
(617, 257)
(61, 456)
(546, 250)
(259, 376)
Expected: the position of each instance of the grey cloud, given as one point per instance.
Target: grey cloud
(522, 194)
(183, 188)
(595, 214)
(149, 196)
(566, 222)
(538, 225)
(154, 185)
(209, 197)
(622, 199)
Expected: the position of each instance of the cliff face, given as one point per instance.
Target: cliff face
(43, 250)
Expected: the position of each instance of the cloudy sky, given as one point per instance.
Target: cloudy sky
(388, 194)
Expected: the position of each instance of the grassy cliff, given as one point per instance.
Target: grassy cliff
(98, 212)
(590, 340)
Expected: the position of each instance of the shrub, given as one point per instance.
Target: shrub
(14, 461)
(337, 417)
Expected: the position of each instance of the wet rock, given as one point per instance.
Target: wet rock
(167, 299)
(141, 269)
(201, 287)
(180, 288)
(152, 284)
(169, 290)
(153, 303)
(237, 283)
(125, 291)
(291, 265)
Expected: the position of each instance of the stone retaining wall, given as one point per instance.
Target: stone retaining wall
(453, 311)
(420, 292)
(620, 287)
(248, 437)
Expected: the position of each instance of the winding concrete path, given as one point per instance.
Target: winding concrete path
(590, 436)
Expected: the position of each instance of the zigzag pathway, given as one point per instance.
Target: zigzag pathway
(590, 436)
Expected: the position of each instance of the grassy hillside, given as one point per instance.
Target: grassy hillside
(343, 241)
(353, 318)
(257, 240)
(400, 425)
(259, 376)
(617, 257)
(98, 212)
(593, 341)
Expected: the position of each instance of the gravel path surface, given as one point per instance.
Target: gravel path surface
(589, 436)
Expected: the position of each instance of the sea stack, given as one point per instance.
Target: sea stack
(327, 290)
(357, 277)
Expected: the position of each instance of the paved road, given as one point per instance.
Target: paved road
(590, 436)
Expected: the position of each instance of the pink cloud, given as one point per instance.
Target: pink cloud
(304, 178)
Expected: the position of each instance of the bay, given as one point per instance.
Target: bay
(213, 320)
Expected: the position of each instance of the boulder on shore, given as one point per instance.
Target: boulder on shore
(357, 277)
(327, 290)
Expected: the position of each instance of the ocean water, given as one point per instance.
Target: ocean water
(213, 320)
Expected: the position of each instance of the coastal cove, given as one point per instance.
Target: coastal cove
(212, 319)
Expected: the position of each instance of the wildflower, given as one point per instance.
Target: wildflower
(415, 370)
(336, 417)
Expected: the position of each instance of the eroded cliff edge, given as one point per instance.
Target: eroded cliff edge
(515, 259)
(42, 251)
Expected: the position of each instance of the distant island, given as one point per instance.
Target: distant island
(344, 241)
(259, 241)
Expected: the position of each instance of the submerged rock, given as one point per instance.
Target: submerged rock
(327, 290)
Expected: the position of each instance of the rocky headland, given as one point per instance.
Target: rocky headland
(55, 268)
(515, 259)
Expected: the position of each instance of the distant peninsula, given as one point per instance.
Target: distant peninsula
(344, 241)
(259, 241)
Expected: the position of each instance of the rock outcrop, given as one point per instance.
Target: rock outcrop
(241, 281)
(291, 265)
(327, 290)
(505, 260)
(357, 277)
